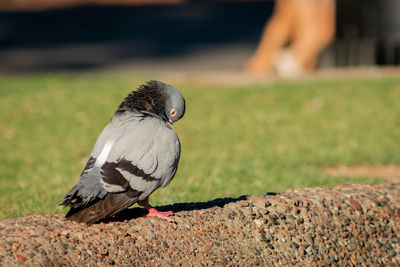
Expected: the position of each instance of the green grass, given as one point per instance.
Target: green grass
(235, 139)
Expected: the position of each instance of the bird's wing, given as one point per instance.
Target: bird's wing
(144, 158)
(88, 188)
(89, 200)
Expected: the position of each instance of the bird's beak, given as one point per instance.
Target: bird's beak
(170, 121)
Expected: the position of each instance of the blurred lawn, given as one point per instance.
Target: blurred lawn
(235, 139)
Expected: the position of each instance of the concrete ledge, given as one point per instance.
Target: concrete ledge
(346, 225)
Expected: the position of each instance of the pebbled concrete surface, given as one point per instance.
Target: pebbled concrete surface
(345, 226)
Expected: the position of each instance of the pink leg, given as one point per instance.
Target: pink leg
(153, 212)
(161, 214)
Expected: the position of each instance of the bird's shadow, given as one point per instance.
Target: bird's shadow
(134, 213)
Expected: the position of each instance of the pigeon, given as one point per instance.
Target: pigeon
(135, 154)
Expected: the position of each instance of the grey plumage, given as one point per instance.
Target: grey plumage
(136, 153)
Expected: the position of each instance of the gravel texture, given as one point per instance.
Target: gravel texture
(346, 226)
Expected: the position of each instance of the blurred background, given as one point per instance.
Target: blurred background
(81, 35)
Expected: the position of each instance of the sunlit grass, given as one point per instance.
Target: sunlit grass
(235, 139)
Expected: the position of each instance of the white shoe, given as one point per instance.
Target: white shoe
(286, 64)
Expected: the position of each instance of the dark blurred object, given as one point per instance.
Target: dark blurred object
(203, 34)
(368, 33)
(29, 5)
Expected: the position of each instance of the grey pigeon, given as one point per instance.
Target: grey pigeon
(136, 153)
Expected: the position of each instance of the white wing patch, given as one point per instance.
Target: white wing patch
(104, 153)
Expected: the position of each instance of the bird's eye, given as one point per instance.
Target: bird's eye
(173, 112)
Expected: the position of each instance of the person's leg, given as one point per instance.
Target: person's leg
(275, 35)
(315, 27)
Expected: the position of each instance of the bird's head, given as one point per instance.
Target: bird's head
(155, 98)
(174, 103)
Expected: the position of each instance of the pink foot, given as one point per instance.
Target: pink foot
(161, 214)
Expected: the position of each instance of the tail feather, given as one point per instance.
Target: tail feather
(112, 204)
